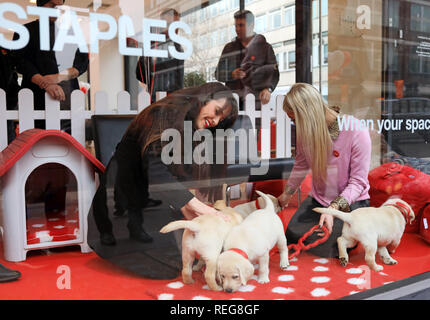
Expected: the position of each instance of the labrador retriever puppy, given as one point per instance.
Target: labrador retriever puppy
(204, 235)
(377, 229)
(245, 209)
(249, 242)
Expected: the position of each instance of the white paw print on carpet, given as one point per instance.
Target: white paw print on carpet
(356, 281)
(320, 292)
(320, 279)
(354, 270)
(282, 290)
(175, 285)
(320, 269)
(165, 296)
(286, 277)
(321, 260)
(201, 298)
(247, 288)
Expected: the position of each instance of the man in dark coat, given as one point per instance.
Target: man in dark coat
(9, 83)
(54, 72)
(234, 65)
(162, 74)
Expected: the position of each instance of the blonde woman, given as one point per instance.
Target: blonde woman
(339, 162)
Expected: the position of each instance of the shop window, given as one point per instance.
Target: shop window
(420, 18)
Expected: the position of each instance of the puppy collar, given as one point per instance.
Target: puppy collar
(257, 205)
(239, 251)
(404, 210)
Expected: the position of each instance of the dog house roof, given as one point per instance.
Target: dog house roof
(25, 140)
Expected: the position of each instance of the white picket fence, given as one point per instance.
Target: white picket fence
(25, 115)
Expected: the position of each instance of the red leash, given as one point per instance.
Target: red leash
(300, 246)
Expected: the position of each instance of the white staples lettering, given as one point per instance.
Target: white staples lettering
(122, 28)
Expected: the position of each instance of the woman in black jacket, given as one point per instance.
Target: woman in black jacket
(138, 167)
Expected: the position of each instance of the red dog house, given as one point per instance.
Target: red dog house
(48, 182)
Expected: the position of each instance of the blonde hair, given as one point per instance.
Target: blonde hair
(312, 131)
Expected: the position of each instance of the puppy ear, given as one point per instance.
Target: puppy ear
(218, 276)
(246, 272)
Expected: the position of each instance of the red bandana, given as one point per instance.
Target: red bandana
(404, 210)
(241, 252)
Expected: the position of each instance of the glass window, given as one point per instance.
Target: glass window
(290, 15)
(222, 6)
(315, 8)
(275, 19)
(379, 76)
(213, 9)
(260, 23)
(291, 60)
(234, 4)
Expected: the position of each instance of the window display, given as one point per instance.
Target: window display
(184, 111)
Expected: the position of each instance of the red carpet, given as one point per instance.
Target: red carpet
(309, 277)
(66, 273)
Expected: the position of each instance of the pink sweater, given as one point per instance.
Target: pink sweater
(348, 169)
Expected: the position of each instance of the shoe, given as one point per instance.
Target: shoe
(153, 203)
(141, 236)
(107, 239)
(7, 274)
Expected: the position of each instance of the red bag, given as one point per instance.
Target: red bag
(392, 180)
(425, 223)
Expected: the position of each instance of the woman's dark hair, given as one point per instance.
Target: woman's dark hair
(170, 113)
(182, 105)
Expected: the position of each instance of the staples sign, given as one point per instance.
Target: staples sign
(122, 28)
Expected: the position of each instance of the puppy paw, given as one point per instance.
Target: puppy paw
(187, 280)
(285, 266)
(390, 261)
(343, 261)
(263, 280)
(378, 267)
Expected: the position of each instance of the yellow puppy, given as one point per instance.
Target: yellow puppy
(377, 229)
(204, 235)
(249, 242)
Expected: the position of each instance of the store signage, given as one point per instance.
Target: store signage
(122, 28)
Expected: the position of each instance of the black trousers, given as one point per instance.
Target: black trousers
(305, 218)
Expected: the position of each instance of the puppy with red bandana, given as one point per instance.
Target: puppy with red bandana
(377, 229)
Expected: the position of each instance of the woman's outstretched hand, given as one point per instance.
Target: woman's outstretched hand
(283, 200)
(196, 208)
(327, 220)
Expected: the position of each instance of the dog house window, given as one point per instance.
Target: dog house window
(51, 204)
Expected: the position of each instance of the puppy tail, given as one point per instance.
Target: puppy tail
(181, 224)
(335, 213)
(268, 203)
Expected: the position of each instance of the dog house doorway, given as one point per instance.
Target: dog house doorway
(52, 206)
